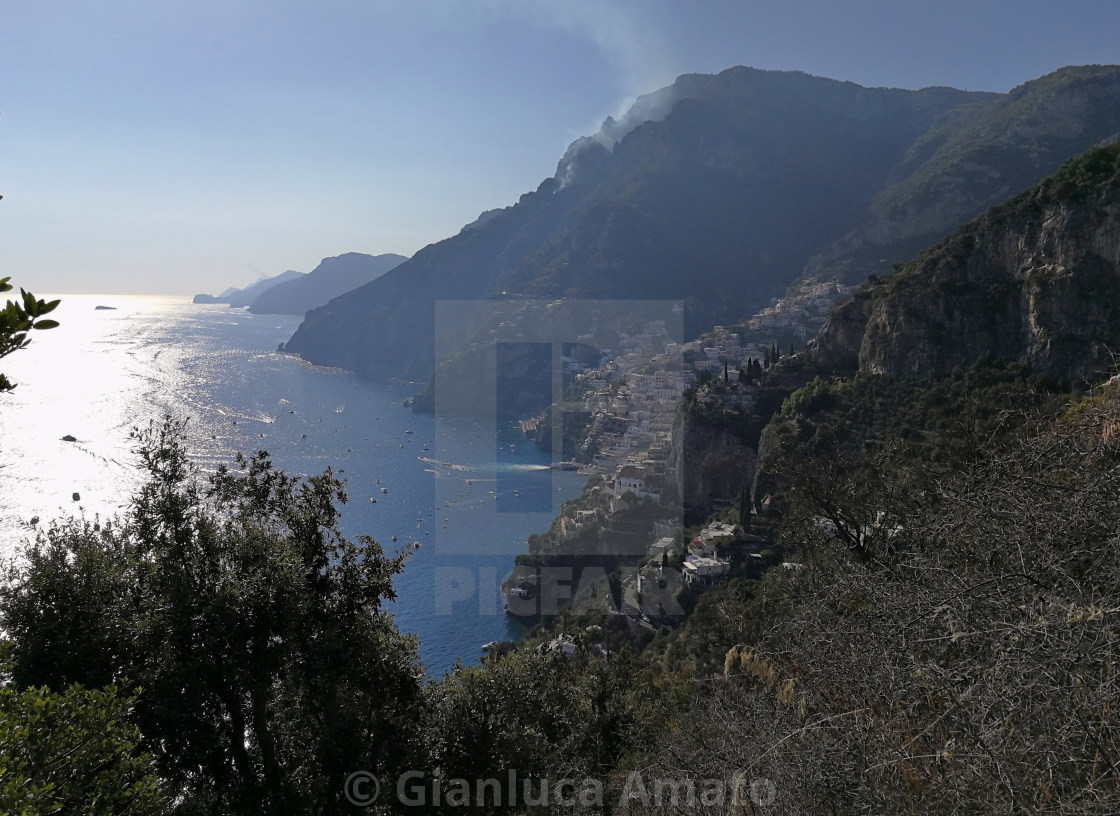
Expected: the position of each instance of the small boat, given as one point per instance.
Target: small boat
(69, 438)
(384, 490)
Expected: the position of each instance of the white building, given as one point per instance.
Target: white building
(699, 570)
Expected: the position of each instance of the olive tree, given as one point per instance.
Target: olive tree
(249, 628)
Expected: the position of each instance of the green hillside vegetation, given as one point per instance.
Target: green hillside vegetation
(941, 421)
(1035, 281)
(1093, 174)
(992, 139)
(952, 655)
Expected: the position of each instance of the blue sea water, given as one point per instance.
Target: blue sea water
(454, 485)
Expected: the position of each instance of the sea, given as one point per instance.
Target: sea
(467, 491)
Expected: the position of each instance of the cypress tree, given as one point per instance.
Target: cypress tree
(745, 506)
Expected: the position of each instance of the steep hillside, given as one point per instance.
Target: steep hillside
(331, 278)
(718, 203)
(1035, 281)
(723, 195)
(967, 164)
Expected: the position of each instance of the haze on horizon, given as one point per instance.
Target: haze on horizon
(151, 149)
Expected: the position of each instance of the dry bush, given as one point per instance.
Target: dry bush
(960, 659)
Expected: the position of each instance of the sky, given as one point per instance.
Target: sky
(183, 146)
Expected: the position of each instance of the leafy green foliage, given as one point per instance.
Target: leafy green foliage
(17, 319)
(536, 712)
(250, 630)
(74, 751)
(1092, 170)
(940, 421)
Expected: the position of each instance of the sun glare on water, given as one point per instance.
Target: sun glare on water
(101, 372)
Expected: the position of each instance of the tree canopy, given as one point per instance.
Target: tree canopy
(249, 629)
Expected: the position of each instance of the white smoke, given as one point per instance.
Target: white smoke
(624, 31)
(627, 35)
(585, 153)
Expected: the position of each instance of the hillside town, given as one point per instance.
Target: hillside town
(631, 398)
(630, 401)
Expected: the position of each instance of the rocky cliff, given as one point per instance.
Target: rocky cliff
(1036, 281)
(713, 459)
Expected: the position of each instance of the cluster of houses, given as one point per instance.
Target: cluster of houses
(724, 350)
(632, 394)
(570, 527)
(803, 311)
(705, 560)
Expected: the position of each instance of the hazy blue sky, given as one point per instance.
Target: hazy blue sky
(163, 146)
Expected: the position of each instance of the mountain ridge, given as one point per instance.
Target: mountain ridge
(332, 277)
(721, 203)
(1035, 281)
(244, 297)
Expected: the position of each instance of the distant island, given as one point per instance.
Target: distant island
(104, 308)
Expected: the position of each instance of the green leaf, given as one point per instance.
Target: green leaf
(44, 308)
(46, 324)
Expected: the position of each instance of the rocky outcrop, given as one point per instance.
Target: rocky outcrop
(836, 348)
(1035, 281)
(714, 462)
